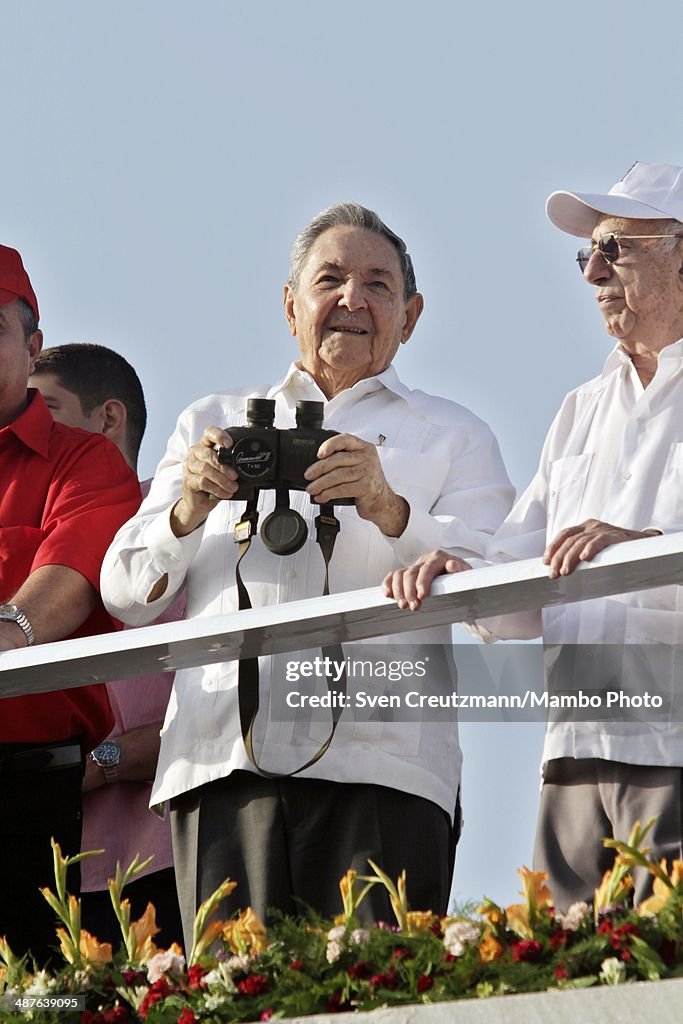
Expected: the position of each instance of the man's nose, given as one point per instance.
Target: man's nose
(353, 294)
(597, 269)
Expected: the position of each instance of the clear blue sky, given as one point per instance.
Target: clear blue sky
(159, 157)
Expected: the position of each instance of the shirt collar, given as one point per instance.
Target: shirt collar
(619, 357)
(298, 380)
(34, 426)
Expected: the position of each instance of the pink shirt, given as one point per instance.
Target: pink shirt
(116, 816)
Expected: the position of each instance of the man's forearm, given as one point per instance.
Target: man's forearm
(56, 600)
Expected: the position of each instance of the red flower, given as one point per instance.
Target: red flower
(385, 980)
(117, 1015)
(561, 972)
(620, 935)
(134, 977)
(267, 1014)
(359, 970)
(526, 950)
(90, 1017)
(625, 954)
(159, 990)
(187, 1017)
(424, 982)
(401, 953)
(558, 938)
(450, 958)
(195, 975)
(296, 965)
(253, 985)
(335, 1005)
(605, 927)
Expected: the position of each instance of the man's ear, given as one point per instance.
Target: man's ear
(35, 344)
(289, 310)
(114, 418)
(414, 307)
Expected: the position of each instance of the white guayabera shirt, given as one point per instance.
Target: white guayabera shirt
(438, 455)
(613, 453)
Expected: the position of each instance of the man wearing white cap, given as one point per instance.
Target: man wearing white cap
(611, 471)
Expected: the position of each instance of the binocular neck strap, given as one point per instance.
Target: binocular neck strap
(327, 528)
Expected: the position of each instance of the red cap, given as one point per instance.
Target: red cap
(14, 281)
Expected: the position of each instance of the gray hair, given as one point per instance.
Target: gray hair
(348, 215)
(29, 320)
(676, 229)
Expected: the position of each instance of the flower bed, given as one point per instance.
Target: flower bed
(239, 970)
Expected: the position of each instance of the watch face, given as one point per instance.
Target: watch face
(107, 753)
(9, 612)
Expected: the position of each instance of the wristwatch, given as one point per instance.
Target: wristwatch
(10, 613)
(108, 756)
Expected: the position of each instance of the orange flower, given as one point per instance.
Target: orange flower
(346, 884)
(535, 891)
(490, 948)
(492, 912)
(518, 920)
(247, 933)
(143, 930)
(93, 950)
(662, 891)
(420, 921)
(614, 887)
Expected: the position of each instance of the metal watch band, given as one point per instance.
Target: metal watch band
(22, 622)
(110, 772)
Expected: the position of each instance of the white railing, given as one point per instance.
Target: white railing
(357, 615)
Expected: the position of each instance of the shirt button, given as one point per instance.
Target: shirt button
(626, 475)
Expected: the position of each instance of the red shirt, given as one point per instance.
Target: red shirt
(63, 495)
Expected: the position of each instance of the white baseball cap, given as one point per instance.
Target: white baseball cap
(646, 192)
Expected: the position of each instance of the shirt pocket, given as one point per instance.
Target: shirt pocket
(567, 485)
(417, 476)
(653, 657)
(667, 513)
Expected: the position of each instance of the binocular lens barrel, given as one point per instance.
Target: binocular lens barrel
(260, 412)
(310, 414)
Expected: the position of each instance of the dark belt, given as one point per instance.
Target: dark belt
(15, 760)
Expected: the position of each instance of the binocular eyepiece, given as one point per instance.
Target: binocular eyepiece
(267, 458)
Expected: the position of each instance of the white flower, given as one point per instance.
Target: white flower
(358, 935)
(222, 975)
(160, 963)
(41, 983)
(612, 971)
(239, 962)
(460, 934)
(212, 1000)
(335, 947)
(575, 916)
(133, 995)
(333, 952)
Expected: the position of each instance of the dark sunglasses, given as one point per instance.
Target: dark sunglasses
(608, 247)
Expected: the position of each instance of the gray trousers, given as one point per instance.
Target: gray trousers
(586, 800)
(288, 842)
